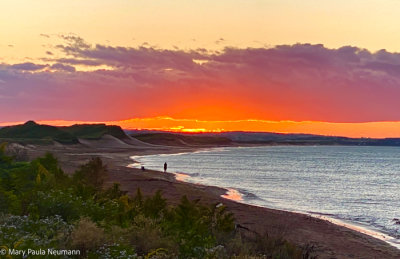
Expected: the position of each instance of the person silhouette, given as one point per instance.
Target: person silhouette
(165, 167)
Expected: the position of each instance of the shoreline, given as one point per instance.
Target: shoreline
(359, 228)
(236, 196)
(327, 239)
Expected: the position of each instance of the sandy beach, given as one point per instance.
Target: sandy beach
(328, 240)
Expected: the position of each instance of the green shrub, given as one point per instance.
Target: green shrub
(146, 236)
(191, 228)
(58, 202)
(9, 202)
(92, 174)
(71, 207)
(154, 207)
(113, 192)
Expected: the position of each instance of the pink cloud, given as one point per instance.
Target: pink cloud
(288, 82)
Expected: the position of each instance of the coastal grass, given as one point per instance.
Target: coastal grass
(42, 207)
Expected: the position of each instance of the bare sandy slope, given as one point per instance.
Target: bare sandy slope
(329, 240)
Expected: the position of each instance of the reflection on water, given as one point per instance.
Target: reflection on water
(181, 177)
(232, 194)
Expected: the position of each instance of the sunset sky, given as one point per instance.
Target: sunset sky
(322, 67)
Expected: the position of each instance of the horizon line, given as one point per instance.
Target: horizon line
(376, 129)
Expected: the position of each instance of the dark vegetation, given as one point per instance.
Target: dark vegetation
(94, 131)
(172, 139)
(42, 207)
(305, 139)
(33, 133)
(261, 138)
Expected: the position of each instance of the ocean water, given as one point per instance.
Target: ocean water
(358, 185)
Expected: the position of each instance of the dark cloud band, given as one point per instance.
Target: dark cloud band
(287, 82)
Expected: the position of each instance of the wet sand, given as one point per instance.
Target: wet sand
(329, 240)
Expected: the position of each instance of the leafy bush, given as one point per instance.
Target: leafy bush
(194, 226)
(146, 236)
(9, 202)
(154, 207)
(70, 206)
(92, 174)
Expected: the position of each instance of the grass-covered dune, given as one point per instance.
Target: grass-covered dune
(94, 131)
(33, 133)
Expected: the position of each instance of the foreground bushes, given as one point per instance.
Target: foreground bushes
(44, 208)
(22, 232)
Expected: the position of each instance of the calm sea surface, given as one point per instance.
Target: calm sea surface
(355, 184)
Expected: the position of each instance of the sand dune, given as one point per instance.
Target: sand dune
(106, 141)
(136, 142)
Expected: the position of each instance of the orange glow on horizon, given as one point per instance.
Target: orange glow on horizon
(356, 130)
(188, 130)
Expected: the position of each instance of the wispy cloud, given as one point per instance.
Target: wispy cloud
(28, 66)
(63, 67)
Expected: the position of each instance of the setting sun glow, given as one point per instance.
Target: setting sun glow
(356, 130)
